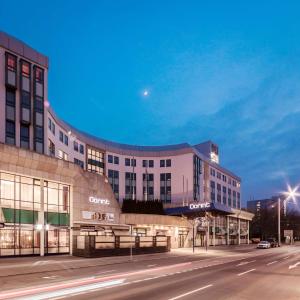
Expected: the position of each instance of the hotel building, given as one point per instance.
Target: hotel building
(50, 172)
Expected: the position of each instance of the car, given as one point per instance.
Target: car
(273, 242)
(263, 245)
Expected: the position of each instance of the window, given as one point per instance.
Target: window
(148, 186)
(24, 138)
(51, 126)
(75, 146)
(133, 162)
(113, 179)
(162, 163)
(95, 161)
(196, 177)
(234, 198)
(165, 187)
(61, 136)
(219, 193)
(145, 163)
(79, 162)
(39, 75)
(110, 159)
(10, 132)
(51, 148)
(127, 162)
(224, 178)
(66, 140)
(212, 172)
(130, 185)
(224, 195)
(218, 175)
(116, 160)
(25, 69)
(229, 197)
(11, 62)
(212, 191)
(62, 155)
(10, 97)
(151, 163)
(168, 163)
(11, 70)
(81, 149)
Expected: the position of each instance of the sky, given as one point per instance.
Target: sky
(227, 71)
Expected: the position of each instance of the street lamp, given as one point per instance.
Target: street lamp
(291, 193)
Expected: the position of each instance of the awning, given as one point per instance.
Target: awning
(198, 209)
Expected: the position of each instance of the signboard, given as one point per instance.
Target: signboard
(98, 216)
(99, 201)
(199, 205)
(288, 233)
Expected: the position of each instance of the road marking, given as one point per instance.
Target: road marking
(105, 272)
(240, 274)
(272, 262)
(149, 266)
(294, 266)
(245, 263)
(191, 292)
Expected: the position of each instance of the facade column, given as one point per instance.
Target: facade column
(248, 241)
(227, 236)
(71, 218)
(41, 221)
(214, 231)
(239, 231)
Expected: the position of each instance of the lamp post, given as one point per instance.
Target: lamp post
(291, 193)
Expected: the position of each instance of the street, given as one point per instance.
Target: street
(237, 273)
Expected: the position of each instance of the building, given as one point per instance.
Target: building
(57, 180)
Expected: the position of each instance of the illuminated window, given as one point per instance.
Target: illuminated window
(95, 161)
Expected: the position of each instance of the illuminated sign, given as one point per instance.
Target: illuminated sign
(199, 205)
(97, 216)
(99, 201)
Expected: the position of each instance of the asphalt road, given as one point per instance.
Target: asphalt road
(253, 274)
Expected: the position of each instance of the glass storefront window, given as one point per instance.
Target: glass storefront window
(20, 204)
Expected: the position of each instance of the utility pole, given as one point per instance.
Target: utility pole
(278, 209)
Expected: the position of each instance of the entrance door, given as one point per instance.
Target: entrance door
(200, 239)
(181, 240)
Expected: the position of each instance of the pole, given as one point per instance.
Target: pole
(279, 237)
(131, 243)
(194, 237)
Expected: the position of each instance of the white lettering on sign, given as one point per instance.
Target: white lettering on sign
(99, 201)
(199, 205)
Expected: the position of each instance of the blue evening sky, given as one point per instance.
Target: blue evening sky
(228, 71)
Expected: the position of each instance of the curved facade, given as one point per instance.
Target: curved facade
(175, 174)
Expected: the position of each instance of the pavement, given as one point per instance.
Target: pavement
(241, 272)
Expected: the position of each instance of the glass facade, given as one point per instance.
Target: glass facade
(24, 203)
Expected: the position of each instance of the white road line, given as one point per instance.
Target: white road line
(240, 274)
(191, 292)
(294, 266)
(149, 266)
(245, 263)
(272, 262)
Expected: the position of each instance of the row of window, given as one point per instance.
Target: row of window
(224, 195)
(223, 177)
(147, 163)
(113, 159)
(25, 103)
(78, 147)
(148, 185)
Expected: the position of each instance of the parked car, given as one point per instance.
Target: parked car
(273, 242)
(263, 245)
(255, 240)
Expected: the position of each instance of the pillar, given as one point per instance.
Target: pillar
(248, 232)
(227, 236)
(239, 231)
(214, 231)
(41, 221)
